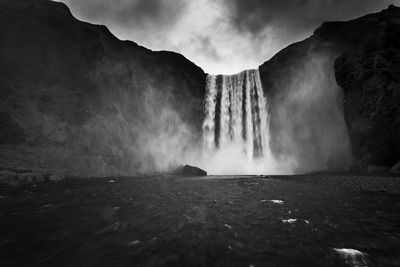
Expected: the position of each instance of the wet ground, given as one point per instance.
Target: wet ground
(213, 221)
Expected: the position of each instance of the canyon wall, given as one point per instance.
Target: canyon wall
(75, 98)
(335, 95)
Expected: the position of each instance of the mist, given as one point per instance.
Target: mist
(307, 119)
(307, 131)
(165, 140)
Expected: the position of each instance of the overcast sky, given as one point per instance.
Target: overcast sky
(220, 36)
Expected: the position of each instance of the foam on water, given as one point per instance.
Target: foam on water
(353, 257)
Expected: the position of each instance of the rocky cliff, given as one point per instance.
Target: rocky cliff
(370, 78)
(75, 98)
(324, 125)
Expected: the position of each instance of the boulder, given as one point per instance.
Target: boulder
(188, 170)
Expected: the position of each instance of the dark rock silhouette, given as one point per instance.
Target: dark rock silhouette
(188, 170)
(193, 171)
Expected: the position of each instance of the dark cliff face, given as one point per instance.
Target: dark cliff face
(335, 96)
(74, 97)
(370, 78)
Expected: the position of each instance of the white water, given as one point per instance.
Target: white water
(208, 124)
(236, 125)
(353, 257)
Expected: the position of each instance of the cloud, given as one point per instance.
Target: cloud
(296, 16)
(130, 13)
(221, 36)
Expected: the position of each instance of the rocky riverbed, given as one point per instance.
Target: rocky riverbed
(205, 221)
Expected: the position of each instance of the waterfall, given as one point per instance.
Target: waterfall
(209, 108)
(236, 113)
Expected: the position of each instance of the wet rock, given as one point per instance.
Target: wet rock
(188, 170)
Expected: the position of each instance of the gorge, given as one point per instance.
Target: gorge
(112, 154)
(79, 101)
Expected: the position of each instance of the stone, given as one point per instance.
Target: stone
(188, 170)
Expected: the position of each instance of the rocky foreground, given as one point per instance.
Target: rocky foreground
(314, 220)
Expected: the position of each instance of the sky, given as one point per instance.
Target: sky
(220, 36)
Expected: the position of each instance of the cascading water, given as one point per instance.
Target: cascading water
(236, 116)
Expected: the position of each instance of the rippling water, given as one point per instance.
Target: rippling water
(157, 221)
